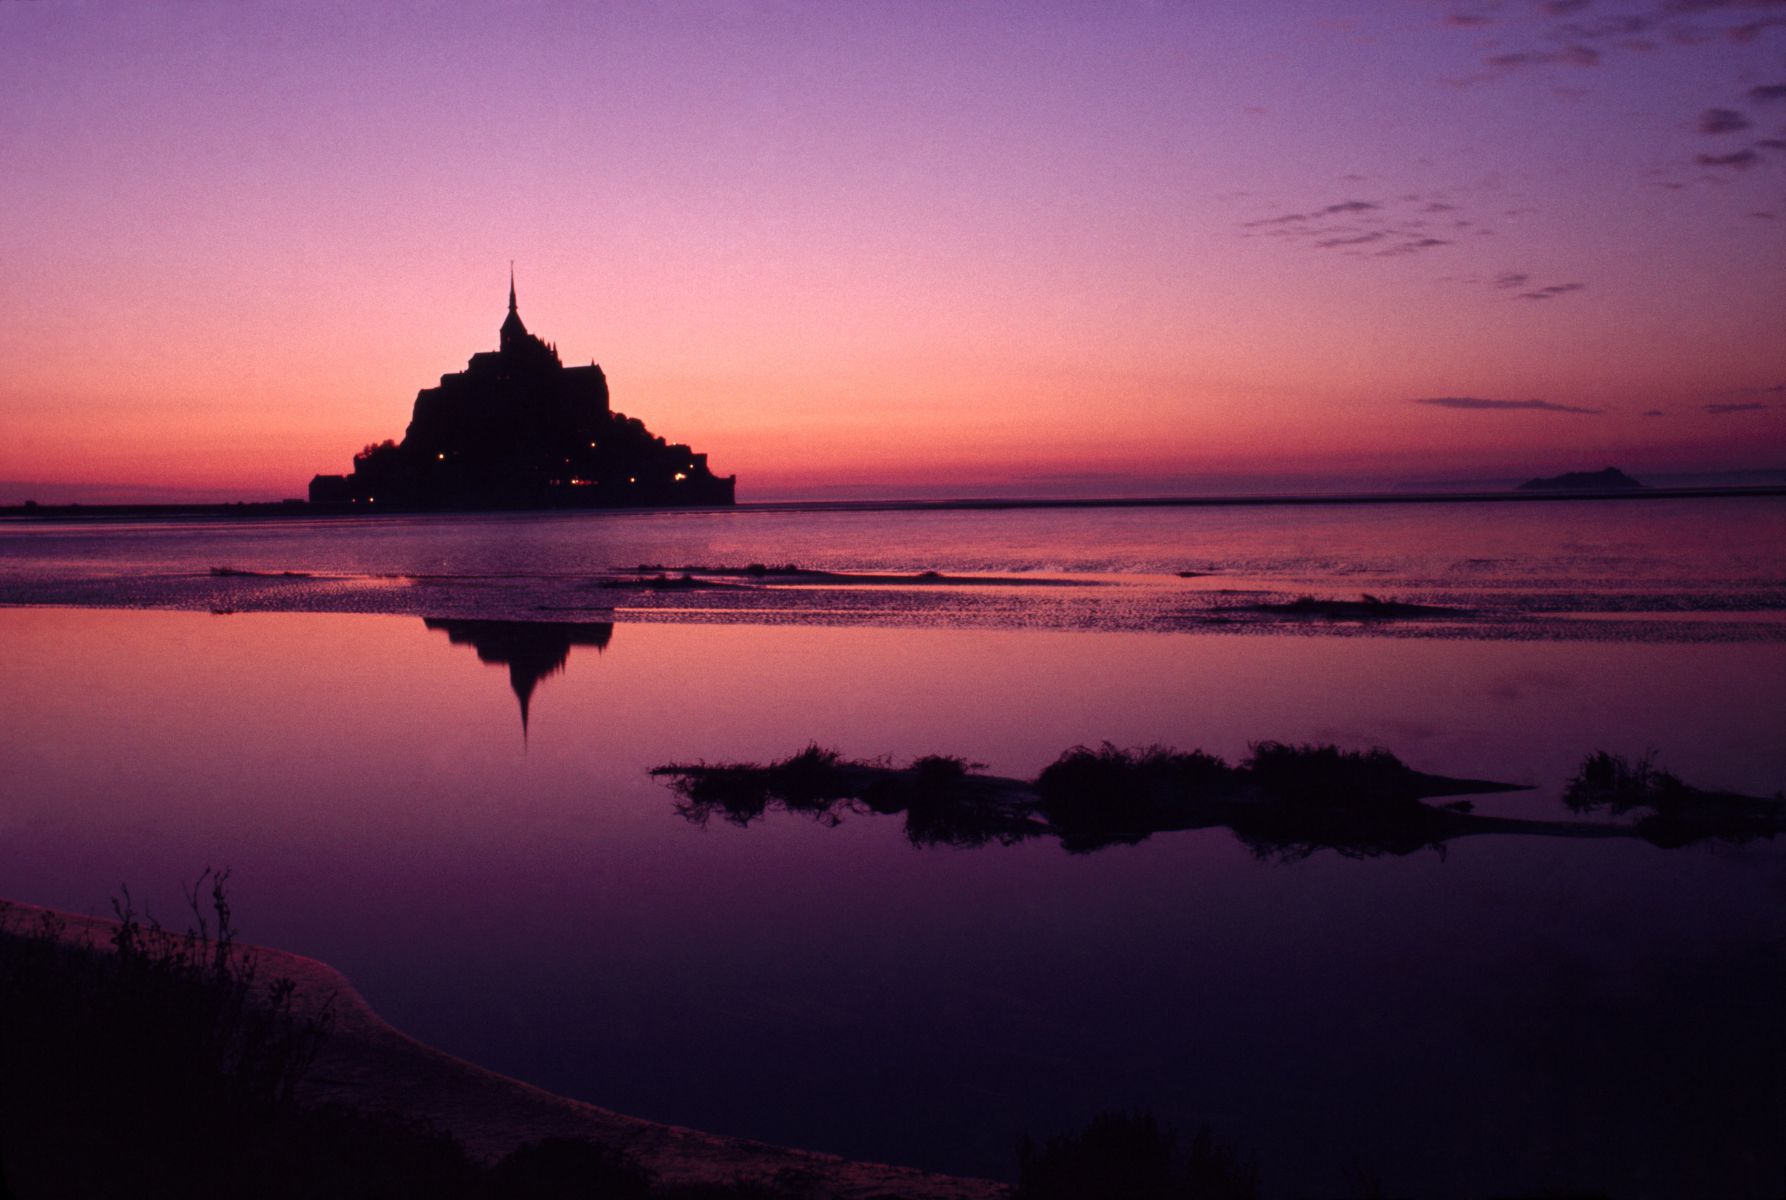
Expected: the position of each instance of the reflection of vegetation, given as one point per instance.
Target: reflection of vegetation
(1284, 802)
(1104, 797)
(945, 804)
(812, 781)
(1128, 1156)
(1672, 813)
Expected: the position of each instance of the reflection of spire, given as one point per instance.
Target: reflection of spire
(532, 650)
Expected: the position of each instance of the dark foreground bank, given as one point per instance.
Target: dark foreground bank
(138, 1062)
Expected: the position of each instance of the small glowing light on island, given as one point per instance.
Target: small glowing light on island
(632, 479)
(441, 457)
(592, 445)
(679, 477)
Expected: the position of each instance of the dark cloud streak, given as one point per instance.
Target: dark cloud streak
(1723, 120)
(1742, 160)
(1552, 292)
(1477, 403)
(1412, 247)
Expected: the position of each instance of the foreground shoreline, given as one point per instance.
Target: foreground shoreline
(367, 1065)
(261, 510)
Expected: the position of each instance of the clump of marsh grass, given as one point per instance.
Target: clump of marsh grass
(1615, 784)
(1325, 774)
(1358, 803)
(1108, 796)
(1285, 801)
(142, 1040)
(813, 782)
(1669, 811)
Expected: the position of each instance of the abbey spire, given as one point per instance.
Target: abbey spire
(514, 334)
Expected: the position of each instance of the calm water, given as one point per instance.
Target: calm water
(1517, 1014)
(1647, 570)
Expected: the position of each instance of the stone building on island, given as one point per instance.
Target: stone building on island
(519, 429)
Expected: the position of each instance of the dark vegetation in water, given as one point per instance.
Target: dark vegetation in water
(1366, 608)
(755, 569)
(1130, 1156)
(1669, 812)
(165, 1065)
(662, 582)
(1284, 802)
(238, 573)
(659, 576)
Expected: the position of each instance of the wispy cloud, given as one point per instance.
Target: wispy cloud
(1382, 227)
(1577, 33)
(1555, 37)
(1654, 412)
(1742, 160)
(1478, 403)
(1719, 410)
(1415, 246)
(1552, 292)
(1723, 120)
(1575, 56)
(1778, 389)
(1748, 31)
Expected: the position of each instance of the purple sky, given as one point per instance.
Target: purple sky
(897, 247)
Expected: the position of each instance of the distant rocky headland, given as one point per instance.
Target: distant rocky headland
(519, 429)
(1610, 480)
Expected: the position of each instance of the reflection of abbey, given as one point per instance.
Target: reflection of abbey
(531, 650)
(519, 429)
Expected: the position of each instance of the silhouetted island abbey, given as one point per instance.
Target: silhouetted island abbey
(519, 429)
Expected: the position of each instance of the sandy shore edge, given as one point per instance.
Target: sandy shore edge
(369, 1065)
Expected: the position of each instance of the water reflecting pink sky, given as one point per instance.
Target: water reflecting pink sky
(535, 904)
